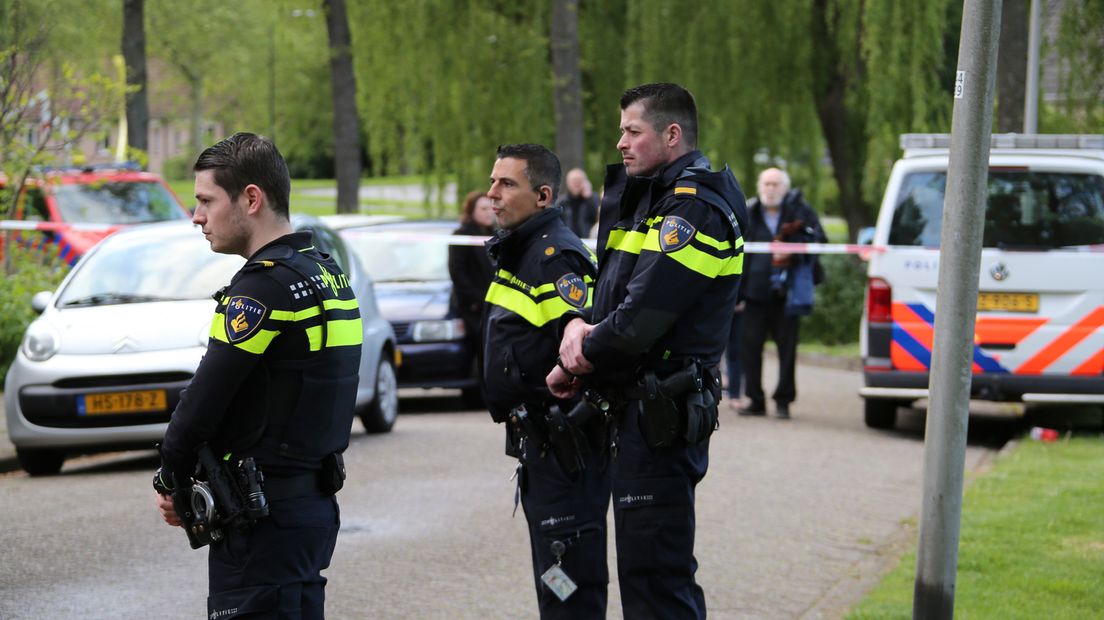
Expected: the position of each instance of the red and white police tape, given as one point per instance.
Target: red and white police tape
(751, 247)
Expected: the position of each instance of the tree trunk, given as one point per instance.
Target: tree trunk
(195, 122)
(1012, 66)
(568, 101)
(841, 114)
(345, 123)
(134, 54)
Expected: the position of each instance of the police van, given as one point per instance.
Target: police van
(1040, 308)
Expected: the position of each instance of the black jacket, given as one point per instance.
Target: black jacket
(670, 258)
(471, 272)
(276, 383)
(798, 223)
(579, 213)
(543, 272)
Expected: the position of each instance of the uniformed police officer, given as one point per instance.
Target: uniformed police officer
(278, 384)
(542, 272)
(670, 257)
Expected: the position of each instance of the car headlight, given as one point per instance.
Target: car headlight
(431, 331)
(41, 342)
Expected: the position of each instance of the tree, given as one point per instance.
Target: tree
(134, 53)
(346, 126)
(46, 104)
(1079, 47)
(568, 102)
(1012, 66)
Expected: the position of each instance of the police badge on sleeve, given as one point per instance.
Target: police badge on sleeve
(243, 317)
(675, 233)
(572, 289)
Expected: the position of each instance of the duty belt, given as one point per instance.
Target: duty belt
(300, 485)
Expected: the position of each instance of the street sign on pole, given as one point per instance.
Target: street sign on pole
(956, 309)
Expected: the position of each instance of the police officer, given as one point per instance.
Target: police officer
(670, 257)
(278, 384)
(542, 272)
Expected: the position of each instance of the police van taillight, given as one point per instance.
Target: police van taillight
(879, 301)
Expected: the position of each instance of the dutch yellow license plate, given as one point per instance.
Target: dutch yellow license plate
(138, 401)
(1008, 302)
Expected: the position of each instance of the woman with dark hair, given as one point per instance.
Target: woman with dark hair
(469, 266)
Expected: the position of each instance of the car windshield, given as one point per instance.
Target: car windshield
(400, 258)
(1026, 210)
(114, 202)
(139, 268)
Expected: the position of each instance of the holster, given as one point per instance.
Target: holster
(565, 435)
(682, 405)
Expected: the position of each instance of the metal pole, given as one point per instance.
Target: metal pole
(1031, 84)
(952, 353)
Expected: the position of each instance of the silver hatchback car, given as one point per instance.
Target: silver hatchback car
(102, 368)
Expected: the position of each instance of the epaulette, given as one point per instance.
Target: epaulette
(686, 187)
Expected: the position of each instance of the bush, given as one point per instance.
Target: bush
(31, 271)
(839, 302)
(178, 168)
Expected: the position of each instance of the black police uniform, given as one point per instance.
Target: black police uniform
(670, 258)
(544, 271)
(278, 383)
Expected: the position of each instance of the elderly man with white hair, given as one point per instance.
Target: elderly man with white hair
(772, 290)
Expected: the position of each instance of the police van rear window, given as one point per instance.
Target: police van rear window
(1026, 210)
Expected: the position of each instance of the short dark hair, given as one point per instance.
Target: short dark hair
(246, 158)
(666, 103)
(542, 167)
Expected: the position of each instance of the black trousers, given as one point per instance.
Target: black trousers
(653, 510)
(572, 512)
(760, 320)
(273, 570)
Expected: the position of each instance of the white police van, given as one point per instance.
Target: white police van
(1039, 335)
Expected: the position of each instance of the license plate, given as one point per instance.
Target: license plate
(137, 401)
(1008, 302)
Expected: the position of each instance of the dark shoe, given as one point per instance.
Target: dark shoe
(782, 410)
(753, 408)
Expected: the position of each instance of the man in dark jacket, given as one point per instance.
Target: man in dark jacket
(276, 387)
(580, 207)
(542, 272)
(670, 256)
(773, 285)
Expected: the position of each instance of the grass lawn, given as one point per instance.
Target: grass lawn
(303, 201)
(1032, 539)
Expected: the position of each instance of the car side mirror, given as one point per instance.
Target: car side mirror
(40, 301)
(866, 236)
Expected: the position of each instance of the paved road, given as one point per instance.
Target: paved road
(795, 520)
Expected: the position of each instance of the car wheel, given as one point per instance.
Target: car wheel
(472, 397)
(384, 409)
(41, 462)
(880, 413)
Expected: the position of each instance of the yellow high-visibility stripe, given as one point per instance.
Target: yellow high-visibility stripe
(628, 241)
(218, 328)
(734, 266)
(695, 260)
(343, 333)
(329, 304)
(537, 313)
(716, 243)
(551, 286)
(693, 191)
(258, 342)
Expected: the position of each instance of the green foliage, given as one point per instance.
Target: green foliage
(1081, 58)
(33, 272)
(1030, 544)
(839, 302)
